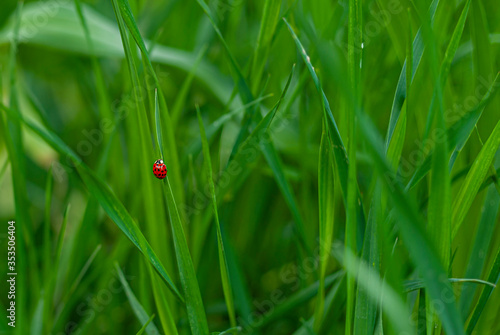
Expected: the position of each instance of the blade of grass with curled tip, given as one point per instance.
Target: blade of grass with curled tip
(482, 241)
(493, 276)
(107, 199)
(412, 285)
(139, 311)
(474, 178)
(224, 271)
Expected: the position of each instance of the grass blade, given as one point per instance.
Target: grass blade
(410, 226)
(226, 283)
(493, 276)
(300, 298)
(270, 18)
(139, 311)
(445, 66)
(159, 136)
(458, 134)
(326, 220)
(483, 239)
(194, 304)
(474, 178)
(171, 153)
(141, 331)
(108, 200)
(338, 148)
(412, 285)
(400, 94)
(393, 306)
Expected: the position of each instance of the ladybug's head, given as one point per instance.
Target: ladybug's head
(159, 161)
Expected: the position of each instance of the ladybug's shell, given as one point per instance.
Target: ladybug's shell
(159, 170)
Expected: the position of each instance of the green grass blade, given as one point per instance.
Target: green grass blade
(365, 309)
(11, 130)
(194, 304)
(338, 148)
(354, 62)
(194, 148)
(159, 135)
(270, 18)
(410, 225)
(445, 66)
(493, 276)
(474, 178)
(260, 137)
(326, 179)
(393, 306)
(243, 88)
(139, 311)
(458, 134)
(247, 155)
(400, 94)
(102, 96)
(108, 200)
(37, 321)
(412, 285)
(47, 243)
(299, 299)
(146, 325)
(226, 283)
(461, 131)
(180, 100)
(483, 239)
(171, 153)
(60, 238)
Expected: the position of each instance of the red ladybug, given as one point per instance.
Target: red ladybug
(160, 169)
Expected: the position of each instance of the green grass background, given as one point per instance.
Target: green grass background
(340, 176)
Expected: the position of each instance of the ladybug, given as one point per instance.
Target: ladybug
(160, 169)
